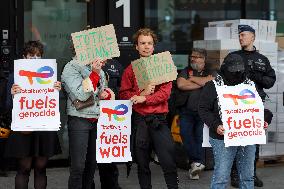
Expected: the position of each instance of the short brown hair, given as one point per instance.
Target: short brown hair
(145, 32)
(32, 47)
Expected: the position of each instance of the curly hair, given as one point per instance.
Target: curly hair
(146, 32)
(33, 47)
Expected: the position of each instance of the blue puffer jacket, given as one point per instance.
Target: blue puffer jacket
(72, 76)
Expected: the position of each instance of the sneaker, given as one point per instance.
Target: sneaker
(195, 177)
(257, 182)
(196, 168)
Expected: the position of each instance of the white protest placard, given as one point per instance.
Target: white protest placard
(36, 108)
(156, 69)
(113, 131)
(242, 114)
(95, 43)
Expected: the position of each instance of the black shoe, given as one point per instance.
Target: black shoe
(257, 182)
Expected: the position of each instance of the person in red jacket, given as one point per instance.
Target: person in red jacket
(150, 128)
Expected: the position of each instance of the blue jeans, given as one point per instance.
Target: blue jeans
(224, 157)
(191, 130)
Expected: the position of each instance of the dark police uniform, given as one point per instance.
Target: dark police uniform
(258, 69)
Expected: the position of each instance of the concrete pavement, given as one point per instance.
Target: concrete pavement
(273, 178)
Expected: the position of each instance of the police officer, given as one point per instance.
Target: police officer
(259, 70)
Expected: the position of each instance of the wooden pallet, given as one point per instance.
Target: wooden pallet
(270, 161)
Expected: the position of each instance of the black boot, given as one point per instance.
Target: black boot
(257, 182)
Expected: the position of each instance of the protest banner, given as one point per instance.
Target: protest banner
(156, 69)
(113, 131)
(95, 43)
(36, 108)
(242, 115)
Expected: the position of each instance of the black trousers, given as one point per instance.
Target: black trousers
(82, 148)
(152, 133)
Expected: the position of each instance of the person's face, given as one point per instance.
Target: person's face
(197, 61)
(246, 39)
(145, 45)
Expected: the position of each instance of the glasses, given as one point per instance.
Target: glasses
(195, 57)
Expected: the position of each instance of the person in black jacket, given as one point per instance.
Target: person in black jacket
(232, 73)
(259, 70)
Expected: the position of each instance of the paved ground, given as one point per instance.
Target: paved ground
(273, 178)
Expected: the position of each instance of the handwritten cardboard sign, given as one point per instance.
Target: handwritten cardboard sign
(95, 43)
(113, 131)
(242, 115)
(156, 69)
(36, 108)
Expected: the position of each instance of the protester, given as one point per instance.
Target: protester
(191, 80)
(86, 84)
(150, 107)
(259, 70)
(31, 148)
(232, 73)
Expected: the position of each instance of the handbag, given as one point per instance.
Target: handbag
(78, 104)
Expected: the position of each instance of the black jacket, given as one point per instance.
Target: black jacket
(258, 69)
(209, 110)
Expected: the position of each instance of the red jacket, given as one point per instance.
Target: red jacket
(155, 103)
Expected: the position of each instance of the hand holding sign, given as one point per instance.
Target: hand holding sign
(15, 89)
(220, 130)
(150, 89)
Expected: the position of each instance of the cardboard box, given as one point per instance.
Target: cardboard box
(271, 106)
(279, 149)
(268, 47)
(199, 44)
(262, 29)
(271, 30)
(217, 54)
(280, 41)
(212, 33)
(226, 44)
(280, 137)
(268, 149)
(234, 26)
(280, 107)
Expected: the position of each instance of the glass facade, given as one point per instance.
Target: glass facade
(52, 22)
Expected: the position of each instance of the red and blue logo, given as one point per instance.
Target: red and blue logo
(41, 74)
(246, 96)
(119, 110)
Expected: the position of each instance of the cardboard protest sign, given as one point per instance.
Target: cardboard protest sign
(113, 131)
(36, 108)
(95, 43)
(242, 115)
(156, 69)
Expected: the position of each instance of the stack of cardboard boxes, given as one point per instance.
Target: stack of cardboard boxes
(221, 38)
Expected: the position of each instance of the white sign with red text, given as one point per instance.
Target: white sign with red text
(113, 131)
(36, 108)
(242, 115)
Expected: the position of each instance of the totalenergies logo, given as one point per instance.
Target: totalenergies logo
(43, 72)
(121, 109)
(246, 96)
